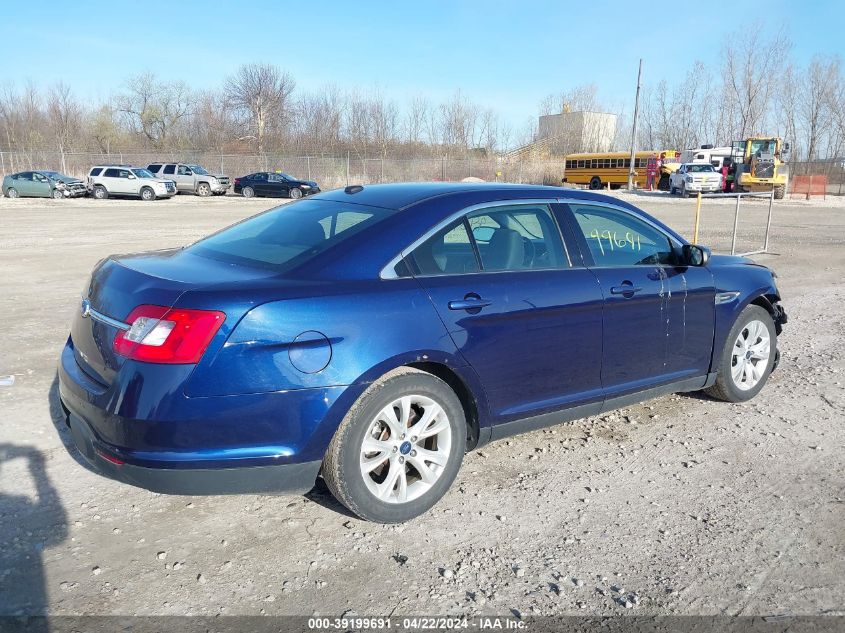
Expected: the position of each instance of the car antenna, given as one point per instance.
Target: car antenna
(353, 189)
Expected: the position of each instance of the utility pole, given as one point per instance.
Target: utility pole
(634, 130)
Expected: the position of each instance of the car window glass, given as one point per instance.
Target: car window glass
(183, 171)
(124, 173)
(275, 178)
(339, 222)
(447, 252)
(39, 177)
(27, 175)
(96, 171)
(285, 237)
(112, 173)
(261, 177)
(521, 237)
(154, 168)
(169, 169)
(617, 238)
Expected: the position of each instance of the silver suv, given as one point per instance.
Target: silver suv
(192, 178)
(122, 180)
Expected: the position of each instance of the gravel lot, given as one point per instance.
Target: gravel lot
(681, 505)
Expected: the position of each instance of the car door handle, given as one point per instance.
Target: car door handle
(625, 289)
(469, 303)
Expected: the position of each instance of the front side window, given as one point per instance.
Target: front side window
(184, 171)
(616, 238)
(39, 177)
(275, 178)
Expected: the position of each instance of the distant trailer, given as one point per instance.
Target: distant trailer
(707, 154)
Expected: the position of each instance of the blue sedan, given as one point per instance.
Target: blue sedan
(372, 335)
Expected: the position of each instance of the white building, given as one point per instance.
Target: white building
(576, 132)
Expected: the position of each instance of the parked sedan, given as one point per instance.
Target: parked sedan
(374, 334)
(274, 184)
(693, 178)
(43, 184)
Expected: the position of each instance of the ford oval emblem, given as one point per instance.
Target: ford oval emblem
(86, 308)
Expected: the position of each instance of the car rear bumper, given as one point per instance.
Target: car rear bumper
(288, 478)
(143, 430)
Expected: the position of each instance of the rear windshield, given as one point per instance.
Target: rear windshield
(290, 235)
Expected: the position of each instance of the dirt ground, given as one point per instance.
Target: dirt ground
(681, 505)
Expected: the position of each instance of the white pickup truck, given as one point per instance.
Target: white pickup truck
(691, 178)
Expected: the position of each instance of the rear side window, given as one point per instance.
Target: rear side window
(112, 173)
(169, 169)
(521, 237)
(96, 171)
(447, 252)
(154, 167)
(288, 236)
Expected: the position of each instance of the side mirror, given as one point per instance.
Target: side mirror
(131, 176)
(695, 255)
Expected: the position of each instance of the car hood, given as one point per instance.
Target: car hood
(68, 180)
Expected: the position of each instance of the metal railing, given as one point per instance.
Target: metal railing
(739, 196)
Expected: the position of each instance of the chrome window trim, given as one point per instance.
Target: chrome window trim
(389, 272)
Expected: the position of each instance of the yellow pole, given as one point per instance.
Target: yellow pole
(697, 219)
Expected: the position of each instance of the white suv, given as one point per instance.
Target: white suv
(121, 180)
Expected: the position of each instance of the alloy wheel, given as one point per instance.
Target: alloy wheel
(750, 355)
(406, 449)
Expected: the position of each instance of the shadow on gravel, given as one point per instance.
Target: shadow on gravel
(28, 525)
(321, 495)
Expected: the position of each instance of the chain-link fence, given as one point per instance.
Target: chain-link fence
(330, 171)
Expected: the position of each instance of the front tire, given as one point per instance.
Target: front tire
(747, 358)
(57, 195)
(203, 189)
(398, 449)
(780, 192)
(148, 194)
(100, 192)
(248, 192)
(295, 193)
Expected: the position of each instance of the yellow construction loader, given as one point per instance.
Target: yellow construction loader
(760, 166)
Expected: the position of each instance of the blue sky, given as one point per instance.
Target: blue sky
(503, 55)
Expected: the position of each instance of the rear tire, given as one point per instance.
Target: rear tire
(747, 358)
(100, 192)
(595, 183)
(203, 189)
(248, 192)
(148, 194)
(381, 464)
(11, 192)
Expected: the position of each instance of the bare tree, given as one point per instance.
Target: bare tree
(65, 117)
(153, 109)
(814, 100)
(751, 72)
(262, 93)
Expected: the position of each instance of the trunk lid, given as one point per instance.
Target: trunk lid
(119, 284)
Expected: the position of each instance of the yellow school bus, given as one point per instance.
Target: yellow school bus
(598, 170)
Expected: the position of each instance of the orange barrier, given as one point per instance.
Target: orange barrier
(811, 185)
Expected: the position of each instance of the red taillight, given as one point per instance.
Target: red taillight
(167, 335)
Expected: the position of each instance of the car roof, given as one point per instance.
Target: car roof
(401, 196)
